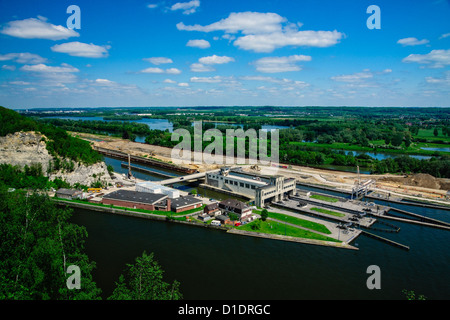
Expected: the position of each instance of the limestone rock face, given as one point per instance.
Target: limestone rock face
(24, 148)
(85, 175)
(27, 148)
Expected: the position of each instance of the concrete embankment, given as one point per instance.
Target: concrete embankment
(135, 214)
(293, 239)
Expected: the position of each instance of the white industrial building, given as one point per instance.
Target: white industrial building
(258, 187)
(151, 187)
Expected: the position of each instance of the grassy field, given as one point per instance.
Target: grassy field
(324, 198)
(297, 221)
(333, 213)
(279, 228)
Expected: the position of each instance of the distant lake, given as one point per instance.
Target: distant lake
(159, 124)
(437, 149)
(382, 156)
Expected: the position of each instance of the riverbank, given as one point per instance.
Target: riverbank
(193, 222)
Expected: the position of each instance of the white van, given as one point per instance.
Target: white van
(215, 223)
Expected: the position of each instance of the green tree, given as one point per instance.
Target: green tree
(144, 281)
(264, 214)
(38, 245)
(435, 132)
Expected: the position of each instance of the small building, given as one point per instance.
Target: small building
(204, 217)
(223, 219)
(138, 200)
(69, 194)
(212, 209)
(237, 207)
(185, 203)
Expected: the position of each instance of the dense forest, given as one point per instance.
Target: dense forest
(39, 244)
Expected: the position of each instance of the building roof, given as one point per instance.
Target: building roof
(182, 202)
(222, 218)
(233, 203)
(136, 196)
(69, 192)
(212, 206)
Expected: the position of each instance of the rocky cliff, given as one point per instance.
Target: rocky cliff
(27, 148)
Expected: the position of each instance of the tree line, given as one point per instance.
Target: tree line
(39, 243)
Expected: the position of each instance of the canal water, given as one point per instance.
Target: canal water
(211, 264)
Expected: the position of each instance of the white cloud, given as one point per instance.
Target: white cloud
(173, 71)
(33, 28)
(24, 58)
(354, 78)
(152, 70)
(202, 44)
(8, 67)
(169, 81)
(50, 76)
(265, 32)
(412, 41)
(187, 7)
(79, 49)
(270, 42)
(158, 60)
(159, 70)
(152, 6)
(198, 67)
(245, 22)
(215, 79)
(214, 59)
(280, 64)
(104, 82)
(443, 80)
(435, 58)
(445, 35)
(183, 84)
(42, 68)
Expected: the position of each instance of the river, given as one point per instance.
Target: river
(212, 264)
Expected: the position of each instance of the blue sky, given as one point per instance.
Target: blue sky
(211, 52)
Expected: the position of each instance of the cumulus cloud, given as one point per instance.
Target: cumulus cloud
(158, 60)
(412, 42)
(79, 49)
(270, 42)
(33, 28)
(435, 58)
(173, 71)
(245, 22)
(159, 70)
(187, 7)
(198, 67)
(355, 77)
(280, 64)
(443, 80)
(23, 58)
(214, 59)
(215, 79)
(43, 68)
(265, 32)
(202, 44)
(52, 76)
